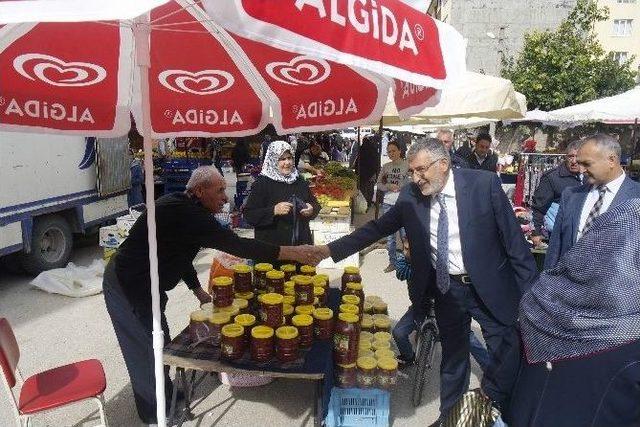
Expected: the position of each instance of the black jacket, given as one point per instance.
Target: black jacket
(490, 163)
(278, 230)
(550, 188)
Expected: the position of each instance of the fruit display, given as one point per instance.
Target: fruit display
(336, 183)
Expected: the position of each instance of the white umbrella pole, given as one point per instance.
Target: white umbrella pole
(141, 31)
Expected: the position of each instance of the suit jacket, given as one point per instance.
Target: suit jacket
(495, 253)
(565, 229)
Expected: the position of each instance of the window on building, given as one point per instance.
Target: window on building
(620, 57)
(622, 27)
(626, 1)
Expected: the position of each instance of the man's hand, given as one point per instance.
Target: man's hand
(537, 240)
(202, 295)
(308, 211)
(305, 254)
(282, 208)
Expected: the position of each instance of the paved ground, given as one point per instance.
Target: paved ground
(54, 330)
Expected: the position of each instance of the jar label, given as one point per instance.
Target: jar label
(341, 343)
(227, 349)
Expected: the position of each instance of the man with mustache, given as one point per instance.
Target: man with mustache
(607, 186)
(467, 250)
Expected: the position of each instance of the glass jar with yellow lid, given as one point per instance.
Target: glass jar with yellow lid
(381, 323)
(345, 339)
(241, 304)
(287, 343)
(247, 321)
(199, 326)
(271, 309)
(260, 276)
(304, 323)
(303, 290)
(216, 322)
(366, 372)
(232, 343)
(222, 291)
(307, 270)
(275, 282)
(387, 373)
(242, 280)
(321, 294)
(304, 309)
(289, 271)
(350, 274)
(366, 324)
(321, 280)
(261, 347)
(287, 312)
(384, 353)
(351, 299)
(323, 323)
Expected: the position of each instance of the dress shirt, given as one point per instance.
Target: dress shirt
(611, 191)
(456, 264)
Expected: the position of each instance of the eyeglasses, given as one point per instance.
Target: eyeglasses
(422, 170)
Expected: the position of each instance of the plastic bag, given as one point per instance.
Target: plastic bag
(360, 203)
(73, 280)
(222, 265)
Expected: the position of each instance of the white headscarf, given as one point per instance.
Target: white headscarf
(270, 166)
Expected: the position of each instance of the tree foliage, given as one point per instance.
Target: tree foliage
(568, 66)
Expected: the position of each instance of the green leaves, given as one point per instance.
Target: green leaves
(568, 66)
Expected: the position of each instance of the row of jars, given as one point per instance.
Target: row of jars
(266, 279)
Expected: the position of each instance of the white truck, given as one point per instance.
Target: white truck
(52, 186)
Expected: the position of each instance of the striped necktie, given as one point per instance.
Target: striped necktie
(595, 210)
(442, 259)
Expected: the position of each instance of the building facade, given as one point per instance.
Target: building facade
(620, 34)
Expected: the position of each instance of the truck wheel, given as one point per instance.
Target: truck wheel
(51, 244)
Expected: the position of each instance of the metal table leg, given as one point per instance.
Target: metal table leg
(188, 389)
(174, 399)
(318, 416)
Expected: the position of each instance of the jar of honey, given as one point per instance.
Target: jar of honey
(289, 288)
(261, 343)
(271, 310)
(382, 336)
(349, 308)
(387, 373)
(323, 323)
(366, 353)
(251, 302)
(355, 288)
(242, 281)
(303, 290)
(241, 304)
(222, 291)
(216, 322)
(275, 282)
(351, 299)
(366, 323)
(367, 307)
(384, 353)
(289, 271)
(199, 326)
(287, 342)
(346, 376)
(364, 346)
(380, 307)
(372, 299)
(304, 323)
(345, 339)
(366, 372)
(320, 280)
(305, 309)
(381, 323)
(377, 345)
(287, 312)
(232, 345)
(289, 299)
(247, 321)
(260, 276)
(321, 294)
(366, 336)
(307, 270)
(351, 274)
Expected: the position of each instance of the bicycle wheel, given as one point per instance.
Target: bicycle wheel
(423, 364)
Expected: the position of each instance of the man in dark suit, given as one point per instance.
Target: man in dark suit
(486, 266)
(445, 136)
(482, 157)
(607, 186)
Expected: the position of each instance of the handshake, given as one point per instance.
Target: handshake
(304, 254)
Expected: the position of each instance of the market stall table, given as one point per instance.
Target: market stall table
(316, 365)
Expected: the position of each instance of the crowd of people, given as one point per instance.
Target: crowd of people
(562, 346)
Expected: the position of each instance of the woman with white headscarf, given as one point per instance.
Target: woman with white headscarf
(281, 204)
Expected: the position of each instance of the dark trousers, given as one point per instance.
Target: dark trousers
(454, 312)
(133, 327)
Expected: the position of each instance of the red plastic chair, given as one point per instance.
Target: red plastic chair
(50, 389)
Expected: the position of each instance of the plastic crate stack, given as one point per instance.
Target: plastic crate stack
(355, 407)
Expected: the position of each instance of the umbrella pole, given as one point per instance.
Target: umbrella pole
(141, 32)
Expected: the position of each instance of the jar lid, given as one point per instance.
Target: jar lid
(289, 284)
(366, 322)
(289, 299)
(290, 291)
(373, 298)
(245, 295)
(317, 290)
(219, 318)
(380, 316)
(352, 270)
(271, 299)
(323, 313)
(349, 308)
(222, 281)
(275, 274)
(367, 306)
(316, 301)
(231, 310)
(366, 335)
(304, 309)
(287, 332)
(377, 345)
(382, 323)
(366, 353)
(242, 268)
(287, 309)
(351, 299)
(367, 362)
(263, 267)
(349, 366)
(232, 330)
(245, 319)
(240, 303)
(382, 336)
(384, 353)
(388, 364)
(301, 280)
(308, 269)
(320, 280)
(356, 286)
(200, 315)
(302, 320)
(262, 332)
(379, 305)
(364, 344)
(207, 306)
(366, 316)
(348, 317)
(288, 267)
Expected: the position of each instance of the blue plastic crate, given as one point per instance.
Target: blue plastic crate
(354, 407)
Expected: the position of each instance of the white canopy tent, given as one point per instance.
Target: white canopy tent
(619, 109)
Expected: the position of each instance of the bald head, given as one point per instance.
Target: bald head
(445, 136)
(208, 186)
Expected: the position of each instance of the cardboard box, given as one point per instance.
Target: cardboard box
(110, 237)
(325, 237)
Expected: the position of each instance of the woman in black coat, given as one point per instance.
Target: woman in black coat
(281, 204)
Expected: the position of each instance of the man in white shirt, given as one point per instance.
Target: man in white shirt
(607, 185)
